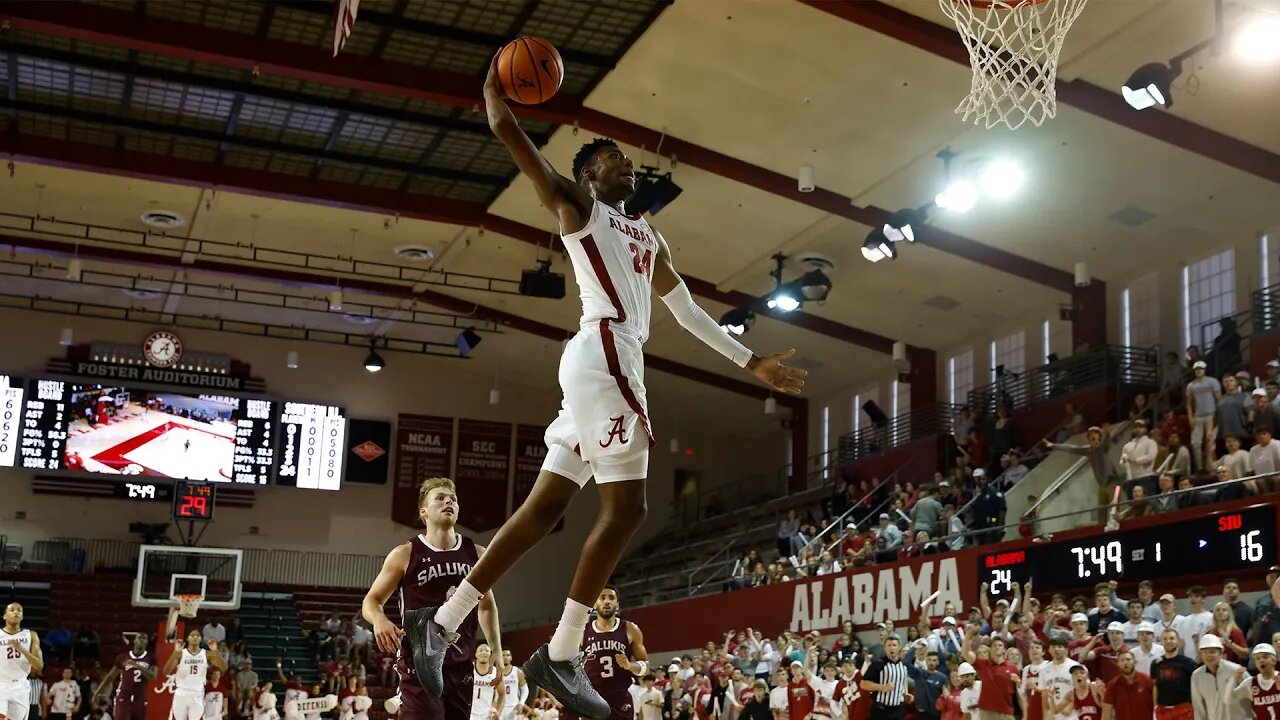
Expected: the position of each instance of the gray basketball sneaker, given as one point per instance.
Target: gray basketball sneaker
(429, 643)
(568, 683)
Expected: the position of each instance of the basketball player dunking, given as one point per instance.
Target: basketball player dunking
(20, 656)
(615, 654)
(603, 425)
(135, 668)
(515, 689)
(426, 570)
(189, 666)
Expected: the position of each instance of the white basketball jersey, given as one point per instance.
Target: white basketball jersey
(484, 694)
(65, 694)
(13, 664)
(511, 686)
(191, 672)
(213, 702)
(613, 259)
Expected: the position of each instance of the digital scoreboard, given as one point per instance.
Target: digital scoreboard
(132, 430)
(1239, 540)
(312, 446)
(193, 501)
(12, 391)
(44, 426)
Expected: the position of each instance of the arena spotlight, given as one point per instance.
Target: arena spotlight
(815, 286)
(901, 225)
(784, 299)
(959, 196)
(1001, 179)
(374, 362)
(467, 341)
(737, 321)
(877, 247)
(654, 192)
(1149, 85)
(1258, 41)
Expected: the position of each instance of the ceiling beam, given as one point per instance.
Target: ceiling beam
(943, 42)
(163, 168)
(383, 289)
(97, 24)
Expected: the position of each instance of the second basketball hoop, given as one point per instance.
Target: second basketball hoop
(1013, 47)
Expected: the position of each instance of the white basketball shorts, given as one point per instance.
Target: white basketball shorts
(187, 705)
(15, 699)
(603, 425)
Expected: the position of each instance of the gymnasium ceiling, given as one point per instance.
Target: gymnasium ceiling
(300, 173)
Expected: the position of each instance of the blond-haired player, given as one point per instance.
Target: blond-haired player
(440, 558)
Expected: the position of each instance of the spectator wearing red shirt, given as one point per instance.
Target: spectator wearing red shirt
(1108, 656)
(856, 702)
(800, 694)
(1128, 695)
(999, 677)
(1080, 647)
(949, 702)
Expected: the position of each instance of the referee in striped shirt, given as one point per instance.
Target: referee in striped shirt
(887, 680)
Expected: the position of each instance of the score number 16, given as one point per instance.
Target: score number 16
(1250, 548)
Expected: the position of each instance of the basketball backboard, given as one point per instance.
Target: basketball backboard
(166, 571)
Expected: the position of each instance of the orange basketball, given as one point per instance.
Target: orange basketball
(529, 70)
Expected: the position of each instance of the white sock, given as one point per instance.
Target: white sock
(457, 607)
(567, 640)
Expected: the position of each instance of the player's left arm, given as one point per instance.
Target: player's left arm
(522, 686)
(34, 656)
(768, 369)
(215, 657)
(487, 614)
(639, 665)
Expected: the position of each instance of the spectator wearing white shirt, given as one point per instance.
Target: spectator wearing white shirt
(64, 697)
(1264, 457)
(216, 631)
(1146, 651)
(1138, 456)
(1195, 624)
(1211, 682)
(778, 695)
(1237, 458)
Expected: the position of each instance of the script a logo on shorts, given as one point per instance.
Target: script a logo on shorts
(616, 431)
(368, 451)
(169, 685)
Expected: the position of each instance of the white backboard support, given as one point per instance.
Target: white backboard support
(165, 571)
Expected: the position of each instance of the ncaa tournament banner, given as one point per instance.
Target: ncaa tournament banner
(531, 450)
(483, 466)
(424, 449)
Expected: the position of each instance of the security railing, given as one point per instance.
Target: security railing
(917, 424)
(1096, 367)
(1266, 308)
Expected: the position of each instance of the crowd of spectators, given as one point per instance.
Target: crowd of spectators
(1019, 656)
(1196, 432)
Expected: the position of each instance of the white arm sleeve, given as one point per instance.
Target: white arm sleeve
(524, 692)
(697, 321)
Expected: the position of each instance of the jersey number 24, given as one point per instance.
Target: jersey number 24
(642, 260)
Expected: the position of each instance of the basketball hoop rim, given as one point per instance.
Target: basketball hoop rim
(188, 604)
(993, 5)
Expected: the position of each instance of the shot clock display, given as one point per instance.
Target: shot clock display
(193, 501)
(1237, 540)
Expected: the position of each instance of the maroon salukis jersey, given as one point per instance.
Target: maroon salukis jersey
(600, 647)
(132, 682)
(430, 579)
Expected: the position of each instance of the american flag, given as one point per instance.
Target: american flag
(343, 20)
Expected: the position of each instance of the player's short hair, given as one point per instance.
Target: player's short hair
(435, 483)
(587, 153)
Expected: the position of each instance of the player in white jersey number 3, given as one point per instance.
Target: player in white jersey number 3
(20, 656)
(189, 666)
(603, 426)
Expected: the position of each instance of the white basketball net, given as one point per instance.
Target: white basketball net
(1013, 47)
(188, 605)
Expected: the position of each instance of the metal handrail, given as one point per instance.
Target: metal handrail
(1136, 366)
(1110, 439)
(870, 493)
(729, 544)
(1266, 308)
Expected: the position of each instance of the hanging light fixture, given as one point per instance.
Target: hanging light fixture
(771, 405)
(374, 362)
(67, 337)
(291, 359)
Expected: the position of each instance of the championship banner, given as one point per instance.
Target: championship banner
(483, 466)
(531, 450)
(424, 449)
